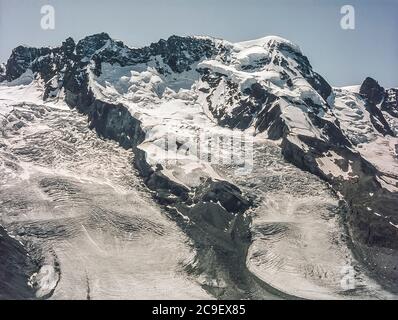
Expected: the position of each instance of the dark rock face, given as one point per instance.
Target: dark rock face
(225, 193)
(15, 269)
(378, 120)
(89, 45)
(371, 89)
(115, 122)
(320, 84)
(250, 106)
(270, 119)
(21, 59)
(68, 47)
(375, 94)
(181, 52)
(314, 79)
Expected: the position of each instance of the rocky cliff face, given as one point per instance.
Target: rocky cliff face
(266, 87)
(14, 282)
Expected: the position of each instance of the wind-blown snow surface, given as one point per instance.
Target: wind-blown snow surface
(75, 206)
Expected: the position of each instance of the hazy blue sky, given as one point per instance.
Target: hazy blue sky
(343, 57)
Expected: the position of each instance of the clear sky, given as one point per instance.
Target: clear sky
(343, 57)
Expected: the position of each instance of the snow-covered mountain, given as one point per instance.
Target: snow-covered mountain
(168, 100)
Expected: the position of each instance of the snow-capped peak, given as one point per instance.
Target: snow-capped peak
(268, 42)
(162, 100)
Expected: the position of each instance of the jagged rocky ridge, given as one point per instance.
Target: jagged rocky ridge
(267, 86)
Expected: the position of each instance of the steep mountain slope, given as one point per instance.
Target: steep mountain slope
(187, 104)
